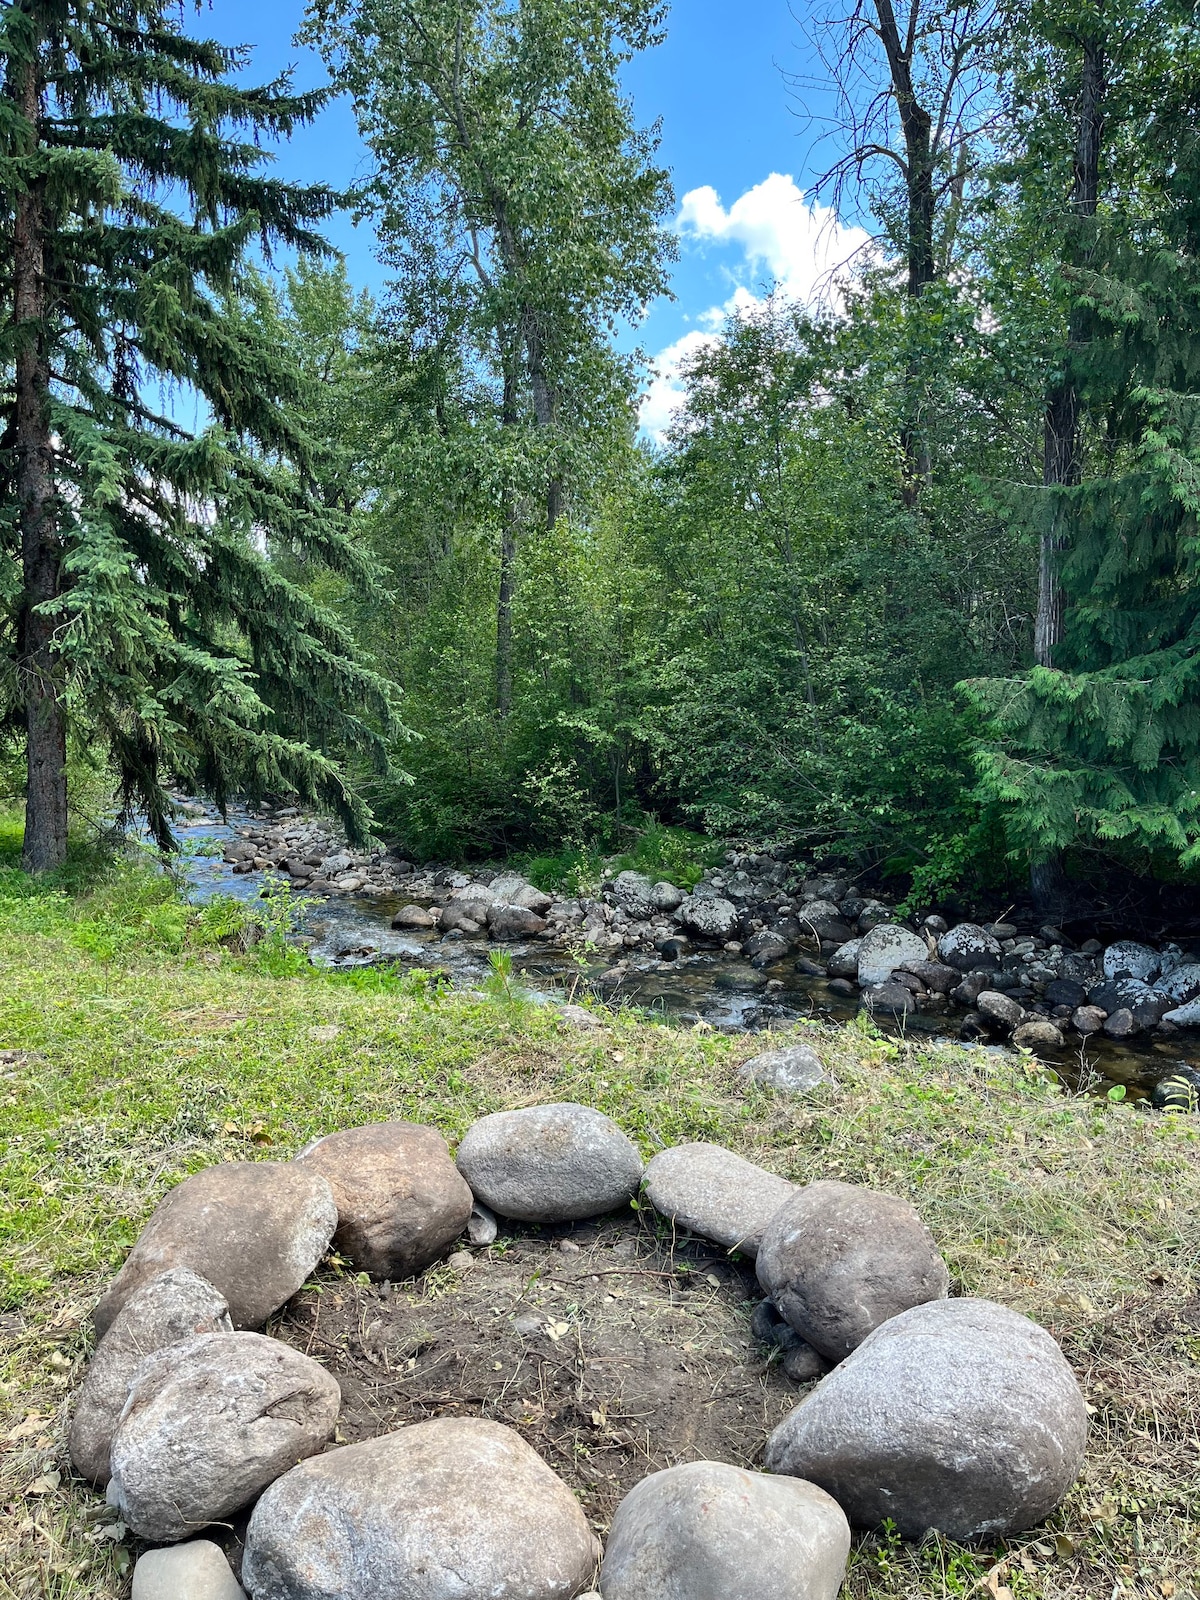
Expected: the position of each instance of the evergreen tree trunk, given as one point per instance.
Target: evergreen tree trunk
(1060, 467)
(46, 749)
(917, 127)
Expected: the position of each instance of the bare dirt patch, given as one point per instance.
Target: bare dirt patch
(613, 1349)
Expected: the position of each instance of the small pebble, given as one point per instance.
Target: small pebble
(568, 1247)
(461, 1261)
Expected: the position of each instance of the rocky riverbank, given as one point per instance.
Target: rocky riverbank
(1016, 980)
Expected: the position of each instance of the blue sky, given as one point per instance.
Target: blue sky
(739, 154)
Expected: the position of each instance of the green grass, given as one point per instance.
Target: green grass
(147, 1041)
(659, 851)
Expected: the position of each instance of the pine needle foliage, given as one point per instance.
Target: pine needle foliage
(141, 606)
(1104, 748)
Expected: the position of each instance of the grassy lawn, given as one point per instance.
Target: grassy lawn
(139, 1047)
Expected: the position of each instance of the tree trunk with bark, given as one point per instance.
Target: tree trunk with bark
(39, 673)
(916, 124)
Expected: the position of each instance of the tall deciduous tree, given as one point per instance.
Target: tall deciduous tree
(521, 203)
(141, 604)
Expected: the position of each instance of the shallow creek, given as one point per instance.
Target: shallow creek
(712, 987)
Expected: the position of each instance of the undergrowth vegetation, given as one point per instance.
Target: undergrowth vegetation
(143, 1040)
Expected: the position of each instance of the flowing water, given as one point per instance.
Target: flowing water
(728, 994)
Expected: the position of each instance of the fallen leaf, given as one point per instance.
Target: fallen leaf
(1064, 1546)
(46, 1484)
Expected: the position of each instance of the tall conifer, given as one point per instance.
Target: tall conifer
(1104, 745)
(141, 607)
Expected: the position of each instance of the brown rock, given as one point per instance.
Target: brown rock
(838, 1260)
(400, 1198)
(1088, 1019)
(253, 1229)
(415, 917)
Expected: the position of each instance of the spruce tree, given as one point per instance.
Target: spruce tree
(1103, 746)
(143, 613)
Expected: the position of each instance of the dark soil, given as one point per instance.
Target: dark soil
(612, 1349)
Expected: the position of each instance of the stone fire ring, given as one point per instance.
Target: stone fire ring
(188, 1415)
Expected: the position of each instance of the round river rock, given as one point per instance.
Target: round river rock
(715, 1193)
(444, 1510)
(708, 1531)
(172, 1306)
(960, 1416)
(253, 1229)
(401, 1200)
(193, 1571)
(838, 1260)
(208, 1423)
(556, 1163)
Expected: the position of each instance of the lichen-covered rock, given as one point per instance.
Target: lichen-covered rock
(634, 893)
(708, 917)
(968, 947)
(172, 1306)
(713, 1192)
(1129, 959)
(838, 1260)
(555, 1163)
(959, 1416)
(1182, 984)
(710, 1531)
(843, 963)
(208, 1423)
(401, 1200)
(885, 948)
(453, 1509)
(510, 923)
(254, 1229)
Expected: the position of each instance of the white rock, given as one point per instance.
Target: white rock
(713, 1192)
(1185, 1016)
(1183, 984)
(193, 1571)
(709, 917)
(453, 1509)
(969, 947)
(885, 948)
(710, 1531)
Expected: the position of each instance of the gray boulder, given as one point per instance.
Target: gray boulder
(1089, 1019)
(792, 1069)
(1001, 1010)
(197, 1570)
(713, 1192)
(254, 1229)
(1129, 959)
(959, 1416)
(968, 947)
(401, 1200)
(208, 1423)
(843, 963)
(453, 1509)
(1040, 1034)
(935, 975)
(872, 914)
(888, 999)
(710, 1531)
(508, 886)
(634, 893)
(838, 1260)
(709, 917)
(508, 923)
(415, 917)
(765, 948)
(172, 1306)
(1184, 1016)
(1182, 984)
(885, 948)
(555, 1163)
(665, 897)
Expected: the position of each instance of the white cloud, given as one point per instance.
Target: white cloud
(666, 391)
(798, 246)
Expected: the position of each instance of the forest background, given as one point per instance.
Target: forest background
(906, 577)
